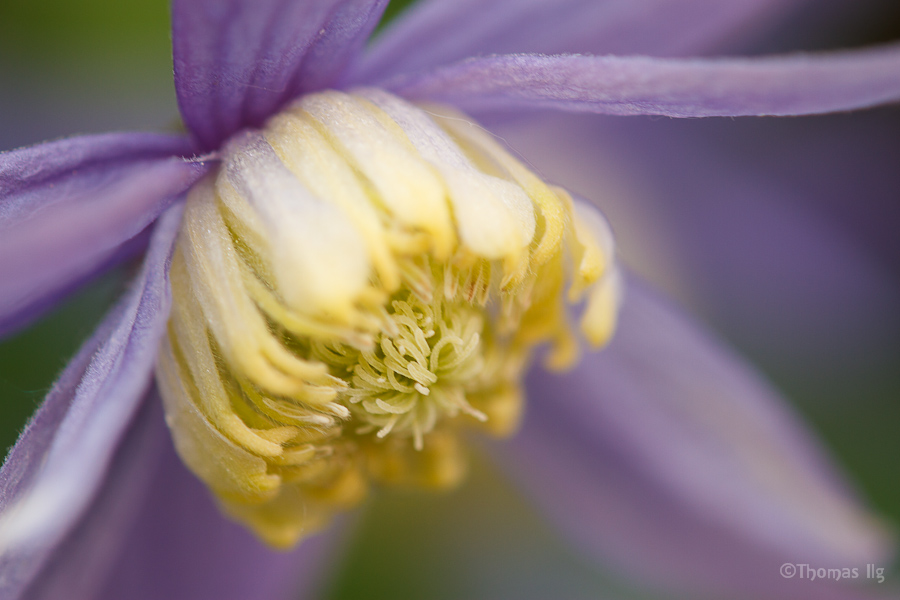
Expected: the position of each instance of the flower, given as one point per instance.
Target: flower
(51, 480)
(360, 280)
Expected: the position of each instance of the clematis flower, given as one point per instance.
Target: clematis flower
(343, 272)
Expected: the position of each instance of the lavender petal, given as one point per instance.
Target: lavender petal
(82, 562)
(666, 456)
(154, 531)
(440, 32)
(798, 84)
(67, 208)
(237, 62)
(779, 231)
(59, 462)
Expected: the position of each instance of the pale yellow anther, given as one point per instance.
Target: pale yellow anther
(358, 282)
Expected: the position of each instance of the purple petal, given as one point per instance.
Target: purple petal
(758, 248)
(778, 230)
(439, 32)
(56, 467)
(798, 84)
(154, 532)
(237, 62)
(665, 455)
(80, 564)
(67, 207)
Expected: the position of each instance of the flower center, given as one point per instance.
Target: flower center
(418, 370)
(359, 282)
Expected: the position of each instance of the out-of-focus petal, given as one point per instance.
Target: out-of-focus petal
(237, 61)
(56, 467)
(67, 207)
(757, 247)
(154, 532)
(439, 32)
(779, 231)
(667, 455)
(80, 565)
(799, 84)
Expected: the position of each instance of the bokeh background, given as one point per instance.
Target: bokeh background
(84, 66)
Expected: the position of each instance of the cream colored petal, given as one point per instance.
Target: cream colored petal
(404, 184)
(596, 271)
(228, 469)
(494, 216)
(318, 258)
(326, 174)
(216, 283)
(189, 339)
(484, 149)
(598, 323)
(597, 245)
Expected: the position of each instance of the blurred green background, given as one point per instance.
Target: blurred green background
(86, 66)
